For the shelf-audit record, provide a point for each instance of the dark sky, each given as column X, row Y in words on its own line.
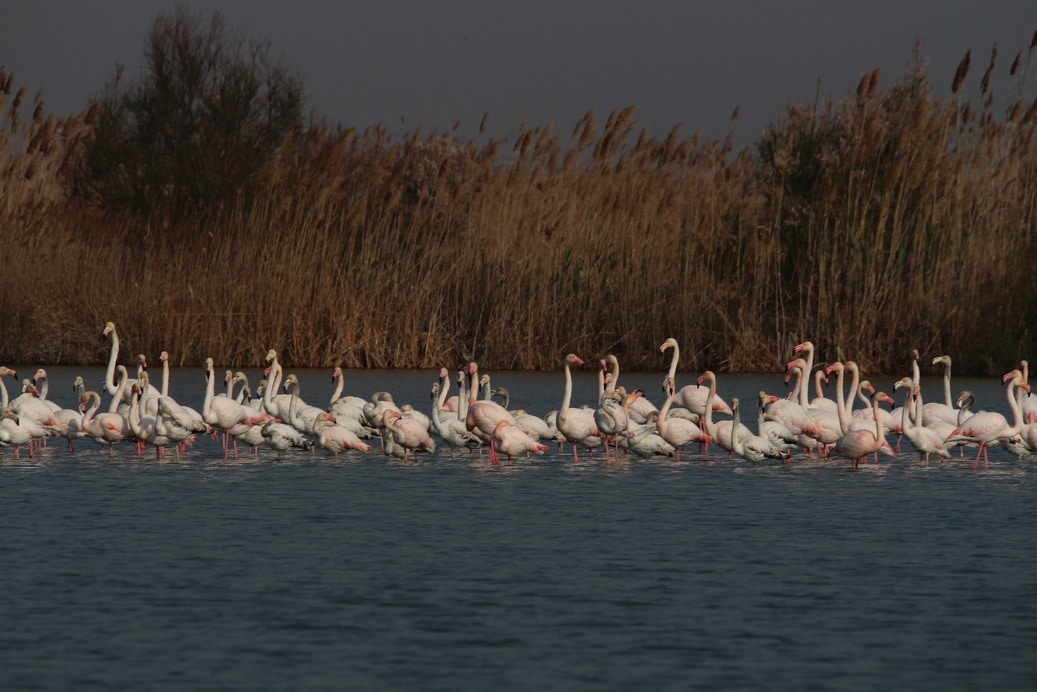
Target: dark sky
column 434, row 62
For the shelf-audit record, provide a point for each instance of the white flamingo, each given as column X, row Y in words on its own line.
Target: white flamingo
column 675, row 430
column 925, row 440
column 692, row 396
column 576, row 424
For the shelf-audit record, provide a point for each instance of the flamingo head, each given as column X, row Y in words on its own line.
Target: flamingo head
column 914, row 354
column 669, row 343
column 903, row 382
column 271, row 355
column 1010, row 376
column 109, row 328
column 336, row 373
column 164, row 356
column 573, row 359
column 805, row 346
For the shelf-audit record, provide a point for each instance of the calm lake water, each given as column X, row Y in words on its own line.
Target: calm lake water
column 449, row 573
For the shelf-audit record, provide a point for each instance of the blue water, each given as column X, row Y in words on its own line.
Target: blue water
column 450, row 573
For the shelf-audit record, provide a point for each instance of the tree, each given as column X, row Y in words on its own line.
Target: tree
column 195, row 130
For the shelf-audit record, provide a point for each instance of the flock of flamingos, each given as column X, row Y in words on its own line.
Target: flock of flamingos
column 622, row 423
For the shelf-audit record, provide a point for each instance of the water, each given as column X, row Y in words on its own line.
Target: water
column 445, row 574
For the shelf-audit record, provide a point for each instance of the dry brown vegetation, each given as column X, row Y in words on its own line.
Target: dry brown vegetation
column 887, row 220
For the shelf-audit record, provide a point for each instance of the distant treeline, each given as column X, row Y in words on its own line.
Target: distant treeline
column 873, row 224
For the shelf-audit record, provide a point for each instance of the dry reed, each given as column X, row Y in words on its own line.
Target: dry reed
column 885, row 221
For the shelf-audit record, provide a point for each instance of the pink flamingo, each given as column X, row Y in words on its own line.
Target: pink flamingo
column 409, row 434
column 510, row 441
column 986, row 427
column 105, row 428
column 859, row 443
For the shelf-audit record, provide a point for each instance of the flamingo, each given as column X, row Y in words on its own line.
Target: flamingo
column 678, row 431
column 106, row 428
column 780, row 437
column 300, row 414
column 925, row 440
column 1028, row 405
column 147, row 428
column 720, row 431
column 946, row 411
column 751, row 447
column 277, row 405
column 691, row 397
column 447, row 425
column 335, row 438
column 408, row 434
column 228, row 415
column 282, row 437
column 612, row 417
column 641, row 407
column 645, row 440
column 186, row 415
column 110, row 386
column 794, row 417
column 14, row 432
column 576, row 424
column 483, row 414
column 857, row 444
column 509, row 440
column 986, row 427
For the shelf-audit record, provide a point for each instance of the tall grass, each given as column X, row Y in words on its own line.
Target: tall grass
column 883, row 221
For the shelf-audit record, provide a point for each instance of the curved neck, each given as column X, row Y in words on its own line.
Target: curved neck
column 339, row 384
column 711, row 428
column 736, row 441
column 444, row 387
column 91, row 411
column 44, row 388
column 672, row 372
column 613, row 365
column 210, row 389
column 120, row 391
column 840, row 401
column 462, row 397
column 905, row 412
column 567, row 398
column 855, row 382
column 272, row 386
column 109, row 377
column 875, row 411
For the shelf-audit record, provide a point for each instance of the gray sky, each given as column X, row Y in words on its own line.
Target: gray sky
column 432, row 63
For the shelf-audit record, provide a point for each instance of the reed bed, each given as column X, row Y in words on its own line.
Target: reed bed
column 887, row 220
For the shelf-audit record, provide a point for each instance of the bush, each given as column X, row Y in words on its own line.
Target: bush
column 195, row 130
